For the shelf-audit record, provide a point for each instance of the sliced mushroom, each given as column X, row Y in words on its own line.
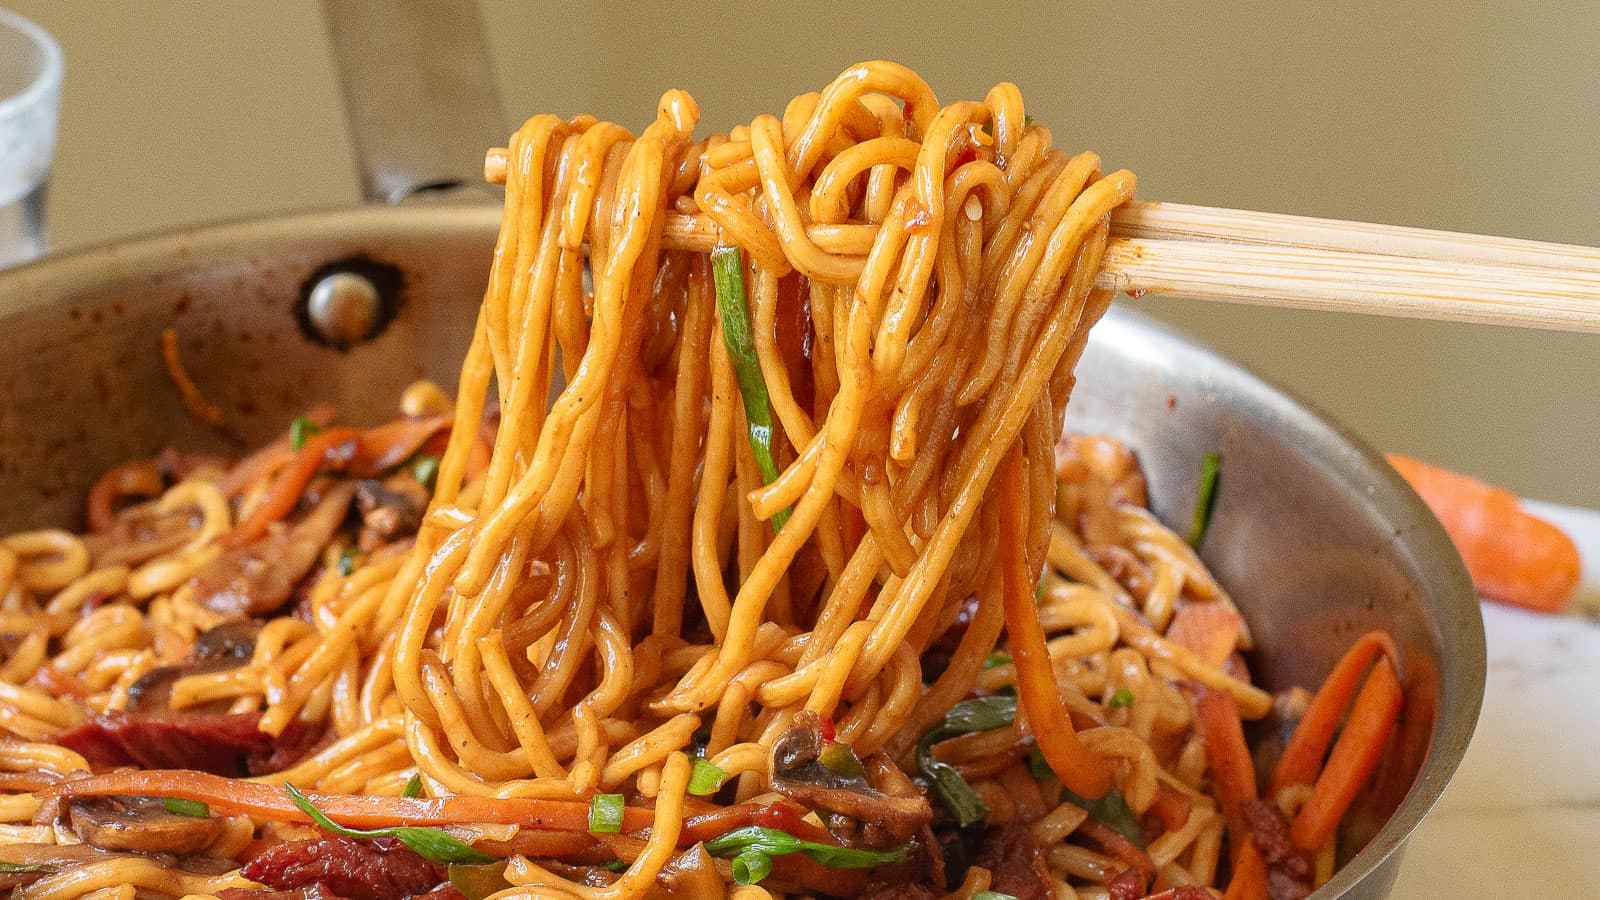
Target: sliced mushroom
column 884, row 813
column 256, row 579
column 390, row 509
column 139, row 824
column 226, row 646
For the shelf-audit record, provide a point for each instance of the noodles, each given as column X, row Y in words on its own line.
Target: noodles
column 762, row 543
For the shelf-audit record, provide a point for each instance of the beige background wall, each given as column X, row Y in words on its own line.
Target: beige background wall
column 1477, row 116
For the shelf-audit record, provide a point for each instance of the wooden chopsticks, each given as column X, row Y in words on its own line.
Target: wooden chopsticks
column 1238, row 256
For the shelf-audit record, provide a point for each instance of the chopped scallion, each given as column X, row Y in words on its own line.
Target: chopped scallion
column 605, row 813
column 981, row 714
column 1112, row 811
column 1120, row 699
column 1206, row 499
column 705, row 780
column 347, row 560
column 429, row 843
column 992, row 895
column 194, row 809
column 997, row 659
column 9, row 868
column 413, row 787
column 751, row 849
column 301, row 429
column 727, row 270
column 425, row 468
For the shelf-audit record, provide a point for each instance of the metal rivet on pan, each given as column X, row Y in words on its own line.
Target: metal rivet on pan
column 350, row 301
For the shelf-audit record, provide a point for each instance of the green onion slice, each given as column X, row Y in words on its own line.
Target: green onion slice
column 705, row 780
column 428, row 843
column 727, row 271
column 751, row 849
column 605, row 813
column 301, row 429
column 981, row 714
column 1121, row 698
column 425, row 468
column 413, row 787
column 1206, row 500
column 478, row 882
column 1112, row 811
column 194, row 809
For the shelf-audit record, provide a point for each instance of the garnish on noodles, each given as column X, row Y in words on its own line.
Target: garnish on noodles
column 795, row 588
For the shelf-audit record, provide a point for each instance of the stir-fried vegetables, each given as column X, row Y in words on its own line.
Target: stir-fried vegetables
column 428, row 843
column 981, row 714
column 727, row 270
column 752, row 849
column 706, row 779
column 605, row 813
column 1206, row 498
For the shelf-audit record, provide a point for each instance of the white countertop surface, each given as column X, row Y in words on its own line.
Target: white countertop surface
column 1522, row 817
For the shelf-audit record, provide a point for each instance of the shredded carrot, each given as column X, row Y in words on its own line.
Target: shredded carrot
column 335, row 447
column 138, row 478
column 1208, row 628
column 194, row 401
column 269, row 802
column 1249, row 880
column 272, row 457
column 390, row 444
column 1302, row 758
column 1078, row 768
column 1233, row 775
column 1353, row 758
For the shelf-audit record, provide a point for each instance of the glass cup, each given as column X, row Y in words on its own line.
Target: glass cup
column 30, row 99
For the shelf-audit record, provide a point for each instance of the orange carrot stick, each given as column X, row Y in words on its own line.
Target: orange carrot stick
column 272, row 457
column 335, row 446
column 1513, row 556
column 1302, row 759
column 1249, row 881
column 1352, row 760
column 1233, row 775
column 269, row 802
column 1078, row 768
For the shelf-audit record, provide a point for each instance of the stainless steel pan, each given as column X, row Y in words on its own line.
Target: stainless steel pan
column 1314, row 534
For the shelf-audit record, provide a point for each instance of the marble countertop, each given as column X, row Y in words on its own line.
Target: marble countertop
column 1522, row 816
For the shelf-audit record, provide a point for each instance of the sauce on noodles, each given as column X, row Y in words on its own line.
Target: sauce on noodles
column 795, row 587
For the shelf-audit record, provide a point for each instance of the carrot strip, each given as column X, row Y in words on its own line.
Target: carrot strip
column 194, row 401
column 1078, row 768
column 138, row 478
column 271, row 457
column 335, row 446
column 391, row 443
column 1352, row 760
column 269, row 802
column 1513, row 556
column 1249, row 880
column 1302, row 758
column 1233, row 775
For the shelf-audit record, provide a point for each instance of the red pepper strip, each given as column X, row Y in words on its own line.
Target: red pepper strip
column 139, row 478
column 1352, row 760
column 333, row 448
column 268, row 802
column 1078, row 768
column 1302, row 759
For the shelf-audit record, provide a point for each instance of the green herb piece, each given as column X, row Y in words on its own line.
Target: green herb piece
column 478, row 882
column 425, row 468
column 1206, row 500
column 1122, row 698
column 347, row 560
column 705, row 780
column 751, row 847
column 616, row 865
column 751, row 866
column 1037, row 766
column 1027, row 120
column 727, row 271
column 996, row 659
column 194, row 809
column 992, row 895
column 1038, row 592
column 981, row 714
column 413, row 787
column 10, row 868
column 429, row 843
column 300, row 430
column 605, row 813
column 1111, row 811
column 841, row 759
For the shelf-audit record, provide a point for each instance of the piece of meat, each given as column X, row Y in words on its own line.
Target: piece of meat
column 229, row 744
column 1016, row 862
column 256, row 579
column 1126, row 886
column 310, row 893
column 375, row 869
column 1289, row 869
column 801, row 772
column 139, row 824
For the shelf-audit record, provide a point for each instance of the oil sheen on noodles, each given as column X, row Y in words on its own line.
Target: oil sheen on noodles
column 749, row 568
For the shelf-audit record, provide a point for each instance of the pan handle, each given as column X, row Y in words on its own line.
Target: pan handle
column 420, row 94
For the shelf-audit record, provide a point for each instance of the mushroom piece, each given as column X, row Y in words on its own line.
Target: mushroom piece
column 256, row 579
column 139, row 824
column 390, row 509
column 873, row 798
column 226, row 646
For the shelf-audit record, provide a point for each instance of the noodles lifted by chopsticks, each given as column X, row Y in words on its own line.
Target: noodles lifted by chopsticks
column 748, row 570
